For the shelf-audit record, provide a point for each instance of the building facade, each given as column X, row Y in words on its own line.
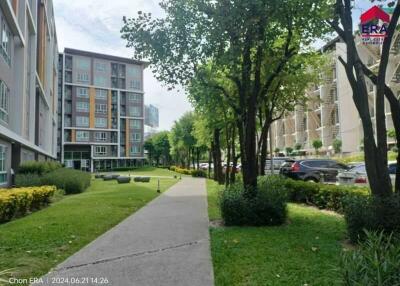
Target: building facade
column 102, row 111
column 28, row 84
column 330, row 112
column 151, row 116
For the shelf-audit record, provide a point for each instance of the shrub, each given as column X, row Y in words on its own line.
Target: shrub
column 71, row 181
column 268, row 207
column 375, row 262
column 371, row 214
column 28, row 180
column 142, row 179
column 19, row 201
column 199, row 174
column 38, row 167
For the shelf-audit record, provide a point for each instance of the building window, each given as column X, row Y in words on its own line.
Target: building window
column 5, row 41
column 100, row 81
column 101, row 94
column 100, row 150
column 134, row 71
column 83, row 77
column 100, row 67
column 135, row 149
column 135, row 111
column 83, row 92
column 82, row 121
column 82, row 136
column 82, row 106
column 134, row 97
column 135, row 84
column 101, row 136
column 4, row 97
column 136, row 137
column 135, row 124
column 101, row 108
column 83, row 63
column 101, row 122
column 3, row 171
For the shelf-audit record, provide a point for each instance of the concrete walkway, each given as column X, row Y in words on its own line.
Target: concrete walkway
column 164, row 243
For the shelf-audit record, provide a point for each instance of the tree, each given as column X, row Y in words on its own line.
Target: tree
column 356, row 70
column 276, row 151
column 162, row 148
column 337, row 145
column 289, row 150
column 298, row 146
column 238, row 36
column 149, row 147
column 317, row 144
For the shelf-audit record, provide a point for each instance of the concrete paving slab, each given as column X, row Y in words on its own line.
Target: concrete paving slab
column 164, row 243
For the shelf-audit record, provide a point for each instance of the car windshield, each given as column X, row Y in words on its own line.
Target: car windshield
column 359, row 169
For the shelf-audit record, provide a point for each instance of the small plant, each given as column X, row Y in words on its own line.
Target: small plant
column 199, row 174
column 337, row 145
column 317, row 144
column 298, row 147
column 375, row 263
column 289, row 150
column 38, row 167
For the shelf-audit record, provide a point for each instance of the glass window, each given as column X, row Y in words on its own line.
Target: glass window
column 135, row 124
column 4, row 97
column 83, row 63
column 82, row 121
column 136, row 137
column 101, row 94
column 135, row 149
column 134, row 71
column 83, row 77
column 5, row 42
column 100, row 150
column 3, row 171
column 100, row 81
column 101, row 108
column 100, row 67
column 83, row 92
column 82, row 136
column 135, row 84
column 134, row 97
column 101, row 122
column 82, row 106
column 101, row 136
column 135, row 111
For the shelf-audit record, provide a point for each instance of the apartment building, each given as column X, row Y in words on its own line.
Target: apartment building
column 102, row 111
column 28, row 84
column 330, row 112
column 151, row 116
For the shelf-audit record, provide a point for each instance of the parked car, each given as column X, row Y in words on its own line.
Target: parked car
column 312, row 170
column 357, row 176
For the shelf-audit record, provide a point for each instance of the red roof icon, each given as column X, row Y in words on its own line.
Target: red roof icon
column 375, row 13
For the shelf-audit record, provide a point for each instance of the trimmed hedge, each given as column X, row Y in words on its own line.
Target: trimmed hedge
column 69, row 180
column 193, row 173
column 18, row 202
column 38, row 167
column 323, row 196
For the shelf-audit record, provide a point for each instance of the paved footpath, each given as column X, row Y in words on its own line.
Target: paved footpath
column 164, row 243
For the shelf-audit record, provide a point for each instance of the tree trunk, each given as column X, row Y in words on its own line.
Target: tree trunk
column 210, row 161
column 198, row 157
column 264, row 151
column 228, row 159
column 234, row 158
column 217, row 155
column 193, row 159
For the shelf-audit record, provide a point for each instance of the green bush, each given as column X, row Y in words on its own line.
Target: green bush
column 323, row 196
column 268, row 207
column 199, row 174
column 28, row 180
column 38, row 167
column 71, row 181
column 375, row 263
column 371, row 214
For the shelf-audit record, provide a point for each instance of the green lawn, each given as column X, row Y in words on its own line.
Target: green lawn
column 34, row 244
column 152, row 171
column 305, row 251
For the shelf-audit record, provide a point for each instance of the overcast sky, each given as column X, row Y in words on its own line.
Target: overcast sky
column 94, row 25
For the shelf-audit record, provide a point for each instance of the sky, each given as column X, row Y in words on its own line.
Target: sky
column 94, row 25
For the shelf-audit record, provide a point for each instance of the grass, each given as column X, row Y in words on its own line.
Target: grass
column 213, row 189
column 152, row 171
column 305, row 251
column 34, row 244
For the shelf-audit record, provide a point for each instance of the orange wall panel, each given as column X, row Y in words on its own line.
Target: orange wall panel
column 92, row 107
column 127, row 144
column 109, row 109
column 73, row 135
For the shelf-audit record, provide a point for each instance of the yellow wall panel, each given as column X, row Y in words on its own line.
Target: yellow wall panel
column 73, row 135
column 92, row 106
column 109, row 109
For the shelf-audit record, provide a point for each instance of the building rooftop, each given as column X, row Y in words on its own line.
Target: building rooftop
column 105, row 57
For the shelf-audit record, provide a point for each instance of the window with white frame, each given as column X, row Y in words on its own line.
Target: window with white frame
column 101, row 136
column 101, row 108
column 100, row 67
column 5, row 46
column 100, row 150
column 101, row 122
column 4, row 98
column 135, row 84
column 82, row 121
column 83, row 77
column 134, row 97
column 135, row 124
column 83, row 92
column 101, row 94
column 3, row 170
column 82, row 136
column 135, row 149
column 135, row 111
column 136, row 137
column 100, row 80
column 82, row 106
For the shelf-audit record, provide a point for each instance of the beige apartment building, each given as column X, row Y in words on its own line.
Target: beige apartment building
column 330, row 112
column 28, row 84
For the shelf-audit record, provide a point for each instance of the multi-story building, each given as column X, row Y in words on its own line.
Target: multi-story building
column 330, row 112
column 102, row 114
column 28, row 83
column 151, row 116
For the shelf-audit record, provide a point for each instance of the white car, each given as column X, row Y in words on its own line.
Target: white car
column 357, row 176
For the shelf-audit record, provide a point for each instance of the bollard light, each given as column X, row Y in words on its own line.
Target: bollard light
column 158, row 186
